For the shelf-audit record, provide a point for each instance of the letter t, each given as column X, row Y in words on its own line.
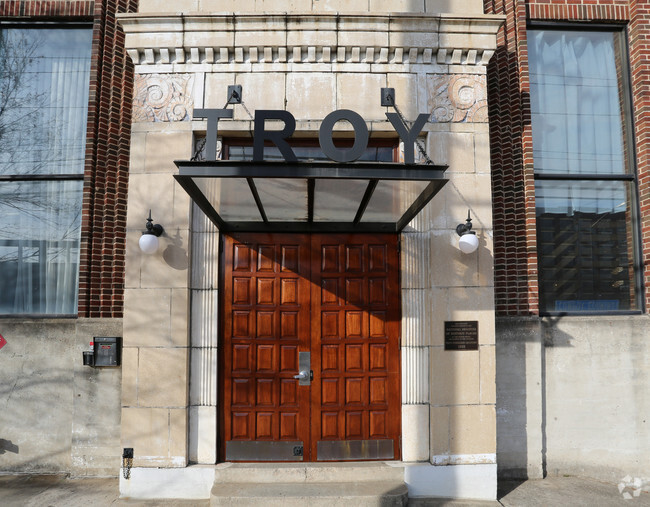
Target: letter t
column 213, row 116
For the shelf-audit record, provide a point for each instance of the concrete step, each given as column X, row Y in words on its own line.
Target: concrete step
column 374, row 471
column 313, row 494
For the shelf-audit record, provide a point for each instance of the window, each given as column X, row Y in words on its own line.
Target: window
column 585, row 185
column 44, row 83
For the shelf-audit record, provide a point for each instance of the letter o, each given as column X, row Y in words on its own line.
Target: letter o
column 360, row 136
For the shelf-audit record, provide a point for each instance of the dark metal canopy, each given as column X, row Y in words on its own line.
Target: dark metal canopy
column 310, row 196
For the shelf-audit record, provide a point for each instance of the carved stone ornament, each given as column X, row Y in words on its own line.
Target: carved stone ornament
column 458, row 98
column 163, row 97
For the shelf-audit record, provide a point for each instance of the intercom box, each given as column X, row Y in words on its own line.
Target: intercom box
column 107, row 350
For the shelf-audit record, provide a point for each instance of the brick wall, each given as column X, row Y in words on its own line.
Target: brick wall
column 515, row 253
column 103, row 233
column 639, row 41
column 515, row 258
column 103, row 228
column 46, row 9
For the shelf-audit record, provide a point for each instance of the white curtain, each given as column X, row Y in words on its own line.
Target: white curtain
column 577, row 119
column 575, row 101
column 41, row 219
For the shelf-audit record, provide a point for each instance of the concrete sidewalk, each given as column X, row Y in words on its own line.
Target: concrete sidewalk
column 59, row 491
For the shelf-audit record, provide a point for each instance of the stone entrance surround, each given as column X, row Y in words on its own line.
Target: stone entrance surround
column 309, row 64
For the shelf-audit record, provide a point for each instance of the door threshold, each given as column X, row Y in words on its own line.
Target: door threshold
column 314, row 464
column 358, row 471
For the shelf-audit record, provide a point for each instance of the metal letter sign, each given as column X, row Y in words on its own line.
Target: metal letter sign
column 213, row 116
column 360, row 136
column 408, row 137
column 3, row 342
column 279, row 137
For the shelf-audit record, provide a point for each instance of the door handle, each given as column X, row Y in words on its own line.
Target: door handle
column 304, row 368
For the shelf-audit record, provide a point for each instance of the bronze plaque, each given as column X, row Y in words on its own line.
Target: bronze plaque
column 461, row 335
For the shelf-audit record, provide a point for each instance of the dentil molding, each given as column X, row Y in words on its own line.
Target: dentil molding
column 310, row 38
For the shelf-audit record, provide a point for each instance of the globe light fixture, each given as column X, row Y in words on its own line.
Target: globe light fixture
column 468, row 242
column 149, row 239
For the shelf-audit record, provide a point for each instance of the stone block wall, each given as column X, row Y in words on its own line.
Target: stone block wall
column 316, row 6
column 156, row 350
column 311, row 66
column 440, row 283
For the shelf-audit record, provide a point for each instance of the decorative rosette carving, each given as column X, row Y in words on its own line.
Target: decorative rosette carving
column 458, row 98
column 162, row 97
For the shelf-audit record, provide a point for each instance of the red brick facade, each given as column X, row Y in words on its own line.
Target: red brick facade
column 515, row 253
column 22, row 8
column 639, row 41
column 103, row 233
column 103, row 229
column 101, row 286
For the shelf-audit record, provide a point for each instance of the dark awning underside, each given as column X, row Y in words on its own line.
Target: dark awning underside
column 310, row 196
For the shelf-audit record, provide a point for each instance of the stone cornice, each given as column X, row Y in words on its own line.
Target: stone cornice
column 310, row 38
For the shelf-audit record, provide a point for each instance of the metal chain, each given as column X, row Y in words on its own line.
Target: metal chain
column 232, row 94
column 247, row 111
column 417, row 141
column 429, row 162
column 198, row 154
column 127, row 464
column 249, row 115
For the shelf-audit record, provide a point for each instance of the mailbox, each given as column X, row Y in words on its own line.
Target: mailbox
column 106, row 351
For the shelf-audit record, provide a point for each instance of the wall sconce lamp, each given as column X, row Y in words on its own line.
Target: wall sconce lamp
column 468, row 241
column 149, row 239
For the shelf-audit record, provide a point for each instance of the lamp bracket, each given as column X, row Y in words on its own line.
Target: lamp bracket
column 155, row 229
column 465, row 228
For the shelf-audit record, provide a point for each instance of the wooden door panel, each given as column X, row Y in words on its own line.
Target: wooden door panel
column 355, row 344
column 289, row 426
column 288, row 393
column 241, row 260
column 336, row 296
column 289, row 359
column 266, row 324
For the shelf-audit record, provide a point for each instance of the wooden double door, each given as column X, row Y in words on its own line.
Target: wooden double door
column 326, row 305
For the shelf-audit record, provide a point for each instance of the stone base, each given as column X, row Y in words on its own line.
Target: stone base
column 324, row 494
column 477, row 482
column 422, row 479
column 191, row 483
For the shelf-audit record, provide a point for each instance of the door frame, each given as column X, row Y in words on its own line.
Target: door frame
column 310, row 442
